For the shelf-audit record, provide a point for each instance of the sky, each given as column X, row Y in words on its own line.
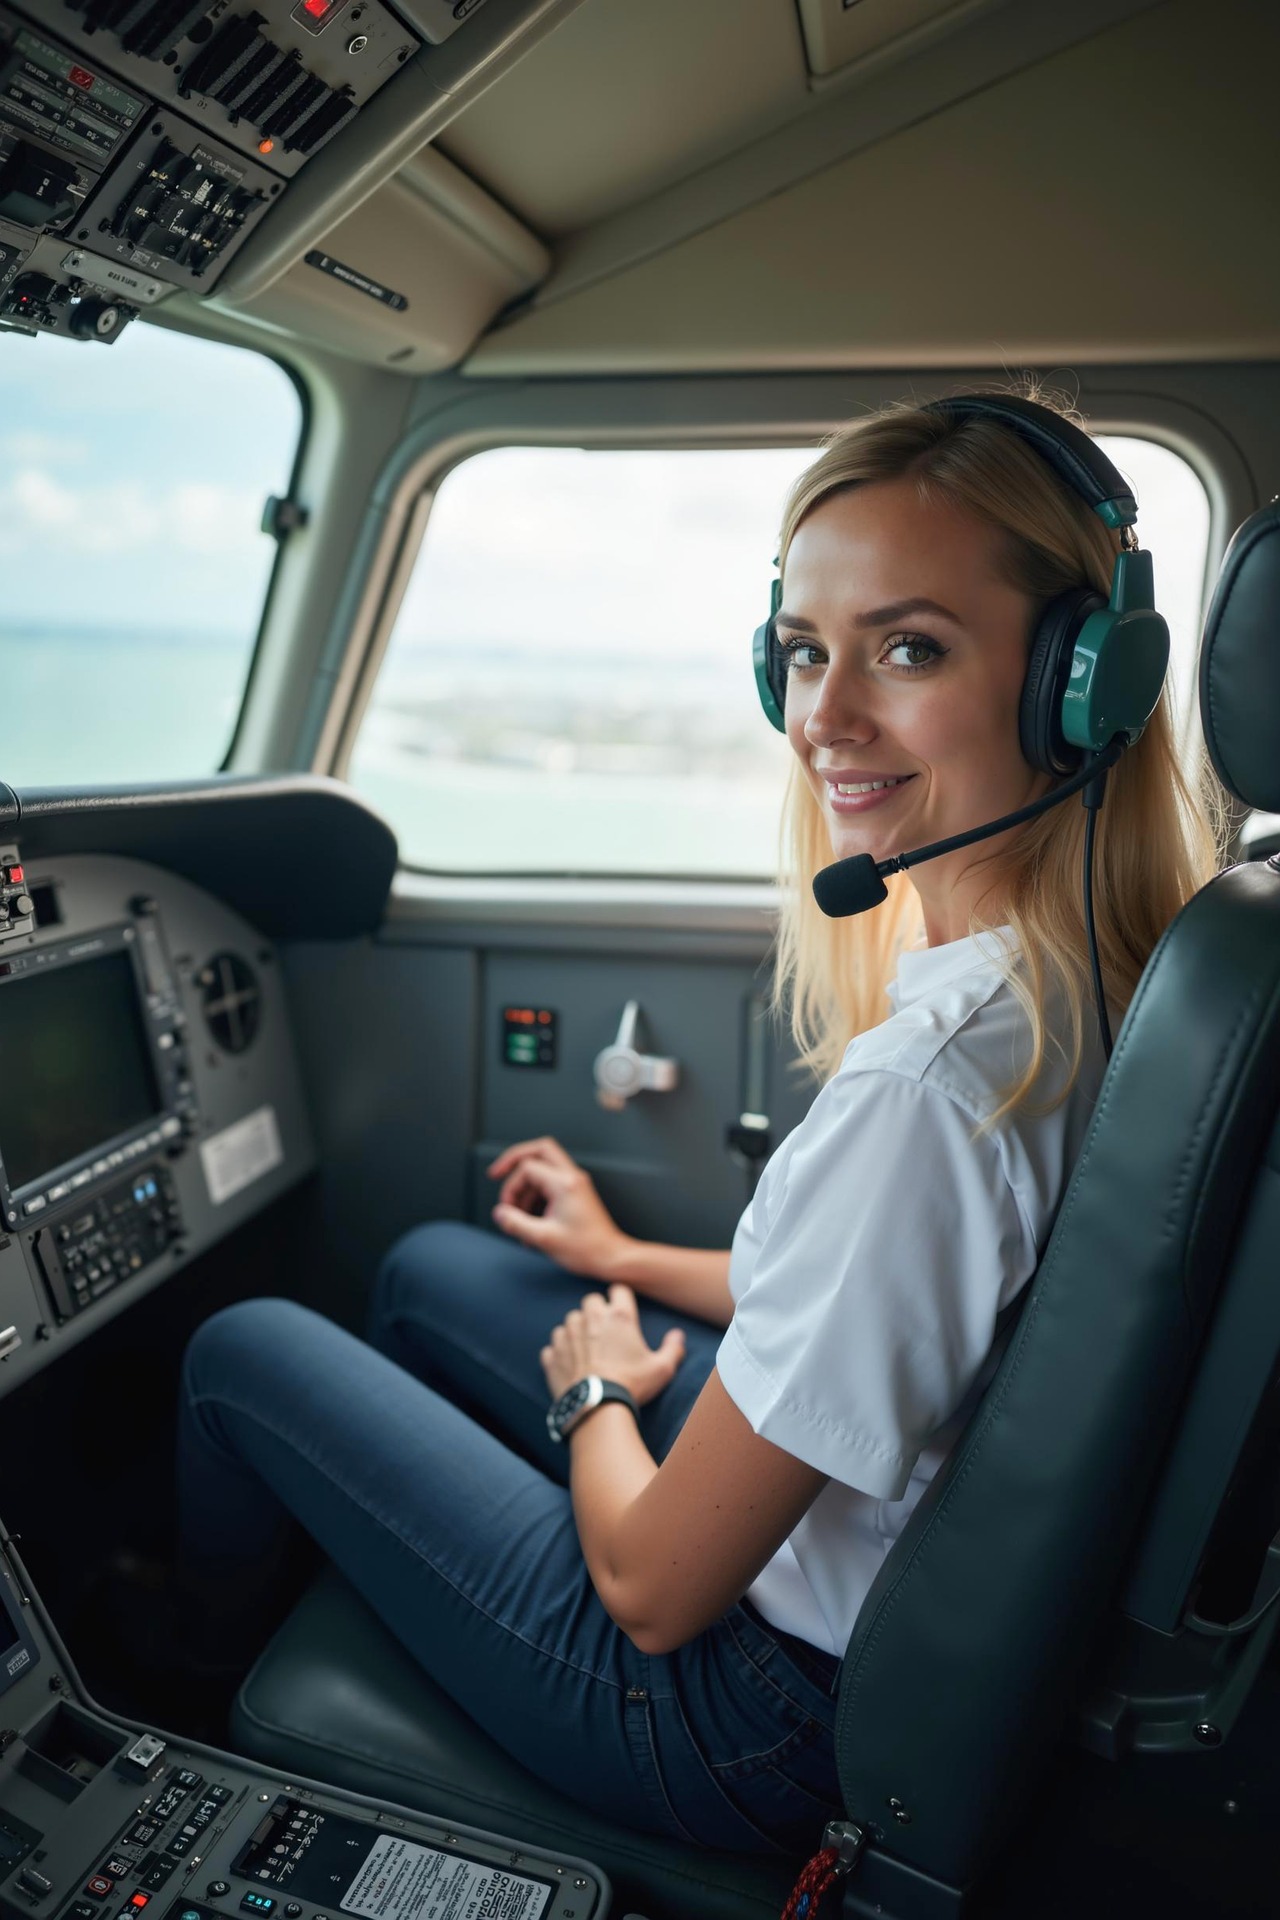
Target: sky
column 132, row 480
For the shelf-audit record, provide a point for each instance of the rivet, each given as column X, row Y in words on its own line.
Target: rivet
column 1207, row 1734
column 358, row 44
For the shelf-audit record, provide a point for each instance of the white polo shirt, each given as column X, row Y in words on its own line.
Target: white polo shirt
column 867, row 1273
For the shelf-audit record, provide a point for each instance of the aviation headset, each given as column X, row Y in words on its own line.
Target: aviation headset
column 1095, row 667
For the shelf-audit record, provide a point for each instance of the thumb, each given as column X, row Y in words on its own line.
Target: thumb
column 671, row 1347
column 531, row 1229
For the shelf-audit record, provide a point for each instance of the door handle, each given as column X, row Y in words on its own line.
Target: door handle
column 621, row 1071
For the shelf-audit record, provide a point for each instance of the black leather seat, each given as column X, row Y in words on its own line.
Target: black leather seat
column 1066, row 1544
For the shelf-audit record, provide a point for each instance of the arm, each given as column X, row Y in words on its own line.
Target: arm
column 668, row 1548
column 549, row 1202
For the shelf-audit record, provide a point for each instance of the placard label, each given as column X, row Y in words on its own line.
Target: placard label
column 401, row 1880
column 352, row 277
column 241, row 1154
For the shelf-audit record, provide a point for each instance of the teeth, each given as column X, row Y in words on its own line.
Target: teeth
column 873, row 786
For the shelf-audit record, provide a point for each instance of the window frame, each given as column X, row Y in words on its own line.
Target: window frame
column 721, row 413
column 306, row 409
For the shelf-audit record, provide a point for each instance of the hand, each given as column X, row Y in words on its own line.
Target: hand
column 604, row 1337
column 547, row 1201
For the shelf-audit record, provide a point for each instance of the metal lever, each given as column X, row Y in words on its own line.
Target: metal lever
column 620, row 1072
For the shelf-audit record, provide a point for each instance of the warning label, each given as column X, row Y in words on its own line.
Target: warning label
column 403, row 1881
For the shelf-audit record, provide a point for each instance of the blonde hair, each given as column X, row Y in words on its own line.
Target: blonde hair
column 1157, row 840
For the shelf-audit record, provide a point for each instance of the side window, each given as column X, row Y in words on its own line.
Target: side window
column 569, row 688
column 132, row 481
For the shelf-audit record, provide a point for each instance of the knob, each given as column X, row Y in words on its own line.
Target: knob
column 621, row 1072
column 98, row 319
column 22, row 904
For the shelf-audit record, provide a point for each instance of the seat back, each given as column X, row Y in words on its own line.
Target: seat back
column 969, row 1650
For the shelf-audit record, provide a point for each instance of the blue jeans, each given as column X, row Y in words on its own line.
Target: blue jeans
column 462, row 1539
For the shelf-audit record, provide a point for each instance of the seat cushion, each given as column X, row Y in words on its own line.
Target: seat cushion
column 336, row 1698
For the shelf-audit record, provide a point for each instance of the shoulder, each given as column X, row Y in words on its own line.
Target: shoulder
column 961, row 1045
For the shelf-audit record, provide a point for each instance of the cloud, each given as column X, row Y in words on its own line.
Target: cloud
column 44, row 512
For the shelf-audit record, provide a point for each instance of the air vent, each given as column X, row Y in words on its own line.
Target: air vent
column 149, row 28
column 158, row 30
column 231, row 1000
column 115, row 15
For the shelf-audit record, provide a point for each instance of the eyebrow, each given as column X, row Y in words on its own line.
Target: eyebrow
column 878, row 616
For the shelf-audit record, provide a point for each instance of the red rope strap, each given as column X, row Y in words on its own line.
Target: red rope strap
column 815, row 1878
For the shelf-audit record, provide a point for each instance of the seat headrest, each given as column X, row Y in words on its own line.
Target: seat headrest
column 1240, row 664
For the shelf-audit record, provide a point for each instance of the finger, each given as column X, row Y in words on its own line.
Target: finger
column 532, row 1182
column 672, row 1345
column 530, row 1229
column 624, row 1300
column 594, row 1307
column 544, row 1146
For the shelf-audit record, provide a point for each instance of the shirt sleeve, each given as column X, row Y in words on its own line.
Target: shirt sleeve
column 871, row 1301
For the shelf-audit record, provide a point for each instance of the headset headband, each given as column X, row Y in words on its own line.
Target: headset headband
column 1074, row 457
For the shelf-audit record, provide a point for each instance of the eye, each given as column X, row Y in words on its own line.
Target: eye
column 924, row 650
column 797, row 653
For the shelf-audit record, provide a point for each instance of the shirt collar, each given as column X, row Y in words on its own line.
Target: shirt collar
column 923, row 970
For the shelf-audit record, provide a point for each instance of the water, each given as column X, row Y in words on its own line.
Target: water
column 116, row 706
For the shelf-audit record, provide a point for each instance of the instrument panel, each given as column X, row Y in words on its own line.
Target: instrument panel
column 101, row 1820
column 151, row 1100
column 141, row 141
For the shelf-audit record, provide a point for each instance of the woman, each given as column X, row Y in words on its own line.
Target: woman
column 660, row 1636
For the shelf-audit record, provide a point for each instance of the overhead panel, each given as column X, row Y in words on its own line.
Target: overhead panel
column 838, row 32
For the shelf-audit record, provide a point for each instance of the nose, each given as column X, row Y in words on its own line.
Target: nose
column 840, row 710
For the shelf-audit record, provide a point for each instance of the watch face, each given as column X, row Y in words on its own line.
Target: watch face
column 565, row 1411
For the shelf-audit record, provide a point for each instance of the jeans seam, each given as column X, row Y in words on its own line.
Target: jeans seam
column 395, row 1533
column 798, row 1706
column 750, row 1763
column 711, row 1772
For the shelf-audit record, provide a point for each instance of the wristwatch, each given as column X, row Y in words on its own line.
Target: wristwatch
column 582, row 1398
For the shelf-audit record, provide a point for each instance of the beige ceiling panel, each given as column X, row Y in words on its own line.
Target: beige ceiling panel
column 687, row 80
column 1114, row 202
column 837, row 32
column 413, row 275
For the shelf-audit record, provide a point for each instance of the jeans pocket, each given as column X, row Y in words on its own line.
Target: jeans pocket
column 790, row 1791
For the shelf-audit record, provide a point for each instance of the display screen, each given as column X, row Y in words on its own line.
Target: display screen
column 75, row 1067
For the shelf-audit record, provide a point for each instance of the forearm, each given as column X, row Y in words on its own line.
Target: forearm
column 690, row 1279
column 609, row 1468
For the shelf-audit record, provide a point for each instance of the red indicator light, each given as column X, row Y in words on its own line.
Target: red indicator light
column 545, row 1019
column 266, row 146
column 139, row 1899
column 78, row 77
column 316, row 8
column 17, row 875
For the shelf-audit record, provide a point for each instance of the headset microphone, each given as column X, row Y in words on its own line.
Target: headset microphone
column 853, row 885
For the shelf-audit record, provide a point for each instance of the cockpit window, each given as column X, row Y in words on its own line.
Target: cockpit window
column 568, row 687
column 132, row 482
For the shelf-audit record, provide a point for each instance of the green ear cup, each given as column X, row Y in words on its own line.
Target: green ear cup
column 770, row 668
column 1119, row 662
column 762, row 644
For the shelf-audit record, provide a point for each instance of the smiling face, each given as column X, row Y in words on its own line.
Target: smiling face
column 906, row 651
